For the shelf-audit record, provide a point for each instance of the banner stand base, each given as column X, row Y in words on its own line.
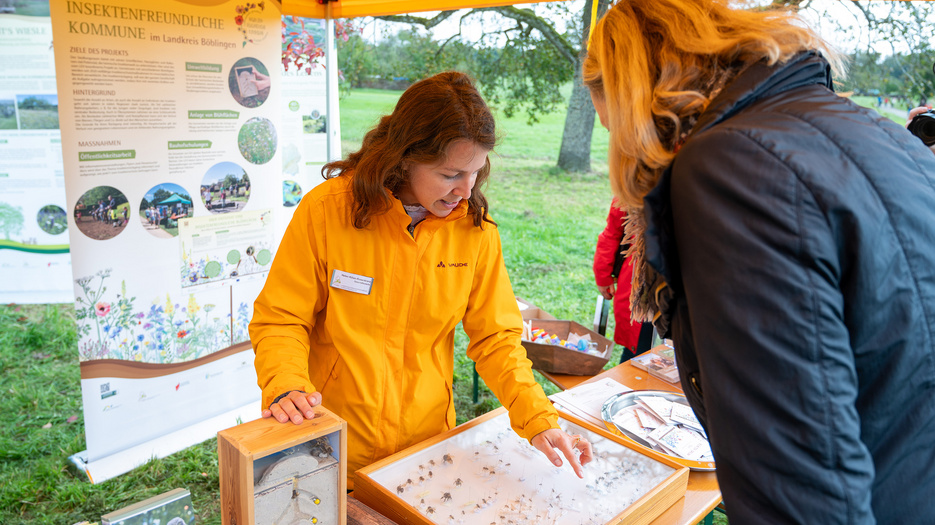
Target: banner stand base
column 102, row 469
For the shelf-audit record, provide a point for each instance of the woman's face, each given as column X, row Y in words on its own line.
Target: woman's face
column 440, row 187
column 600, row 105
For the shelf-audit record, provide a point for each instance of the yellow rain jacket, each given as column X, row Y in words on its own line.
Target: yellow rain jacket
column 367, row 317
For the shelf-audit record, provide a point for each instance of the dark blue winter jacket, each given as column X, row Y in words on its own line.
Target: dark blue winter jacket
column 797, row 233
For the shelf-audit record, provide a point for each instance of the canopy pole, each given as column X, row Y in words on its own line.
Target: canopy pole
column 331, row 68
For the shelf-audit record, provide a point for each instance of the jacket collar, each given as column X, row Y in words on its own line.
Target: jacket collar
column 397, row 210
column 761, row 81
column 757, row 82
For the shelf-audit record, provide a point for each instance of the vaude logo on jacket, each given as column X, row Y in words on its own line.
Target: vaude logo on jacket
column 441, row 264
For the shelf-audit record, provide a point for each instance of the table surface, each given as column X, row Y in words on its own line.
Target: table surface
column 703, row 493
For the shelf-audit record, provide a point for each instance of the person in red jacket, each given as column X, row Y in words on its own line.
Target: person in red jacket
column 613, row 279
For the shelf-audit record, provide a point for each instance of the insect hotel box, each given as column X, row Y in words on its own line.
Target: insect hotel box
column 557, row 359
column 279, row 473
column 482, row 472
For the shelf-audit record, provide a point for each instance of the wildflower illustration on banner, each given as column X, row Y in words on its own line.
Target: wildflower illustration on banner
column 112, row 326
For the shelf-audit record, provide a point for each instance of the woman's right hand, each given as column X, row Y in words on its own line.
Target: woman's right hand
column 296, row 406
column 607, row 292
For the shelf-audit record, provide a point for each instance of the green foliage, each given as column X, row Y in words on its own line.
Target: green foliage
column 355, row 60
column 409, row 55
column 36, row 103
column 100, row 193
column 906, row 77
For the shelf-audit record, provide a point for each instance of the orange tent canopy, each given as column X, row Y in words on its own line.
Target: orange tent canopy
column 355, row 8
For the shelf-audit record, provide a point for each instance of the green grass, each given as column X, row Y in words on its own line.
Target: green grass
column 549, row 221
column 38, row 119
column 360, row 111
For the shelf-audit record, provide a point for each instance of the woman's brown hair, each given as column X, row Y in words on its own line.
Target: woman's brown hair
column 428, row 117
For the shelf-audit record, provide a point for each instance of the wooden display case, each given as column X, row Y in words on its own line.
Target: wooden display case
column 273, row 472
column 482, row 472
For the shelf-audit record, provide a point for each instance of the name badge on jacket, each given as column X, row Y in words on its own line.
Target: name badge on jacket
column 351, row 282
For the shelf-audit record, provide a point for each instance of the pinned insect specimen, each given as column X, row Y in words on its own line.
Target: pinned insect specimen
column 430, row 510
column 446, row 497
column 458, row 482
column 447, row 458
column 400, row 489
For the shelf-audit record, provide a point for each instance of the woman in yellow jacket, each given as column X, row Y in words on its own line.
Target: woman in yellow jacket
column 378, row 266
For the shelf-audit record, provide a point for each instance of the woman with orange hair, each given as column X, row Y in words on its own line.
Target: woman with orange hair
column 379, row 265
column 784, row 238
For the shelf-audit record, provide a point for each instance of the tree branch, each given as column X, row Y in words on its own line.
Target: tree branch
column 527, row 16
column 427, row 23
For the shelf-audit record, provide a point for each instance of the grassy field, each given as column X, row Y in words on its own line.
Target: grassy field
column 548, row 220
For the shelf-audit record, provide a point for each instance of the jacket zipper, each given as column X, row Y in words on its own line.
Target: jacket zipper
column 411, row 229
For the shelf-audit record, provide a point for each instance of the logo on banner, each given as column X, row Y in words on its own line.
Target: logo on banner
column 106, row 391
column 250, row 22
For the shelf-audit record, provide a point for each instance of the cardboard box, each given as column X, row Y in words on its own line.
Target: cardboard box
column 272, row 472
column 531, row 311
column 482, row 472
column 560, row 360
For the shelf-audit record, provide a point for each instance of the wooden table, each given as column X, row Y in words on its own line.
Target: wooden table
column 703, row 494
column 360, row 514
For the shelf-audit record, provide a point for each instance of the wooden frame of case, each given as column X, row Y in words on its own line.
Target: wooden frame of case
column 240, row 446
column 643, row 511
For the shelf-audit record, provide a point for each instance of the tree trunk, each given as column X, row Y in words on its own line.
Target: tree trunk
column 575, row 152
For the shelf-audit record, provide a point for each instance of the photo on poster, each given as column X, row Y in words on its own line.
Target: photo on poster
column 225, row 188
column 52, row 219
column 314, row 122
column 257, row 140
column 25, row 7
column 223, row 249
column 291, row 193
column 7, row 114
column 162, row 207
column 37, row 111
column 249, row 82
column 102, row 213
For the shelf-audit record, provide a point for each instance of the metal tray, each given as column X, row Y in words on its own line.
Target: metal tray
column 620, row 401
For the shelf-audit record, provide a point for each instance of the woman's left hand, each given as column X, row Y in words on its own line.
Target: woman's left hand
column 553, row 438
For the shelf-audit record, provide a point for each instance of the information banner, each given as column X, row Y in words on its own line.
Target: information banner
column 308, row 120
column 34, row 261
column 170, row 114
